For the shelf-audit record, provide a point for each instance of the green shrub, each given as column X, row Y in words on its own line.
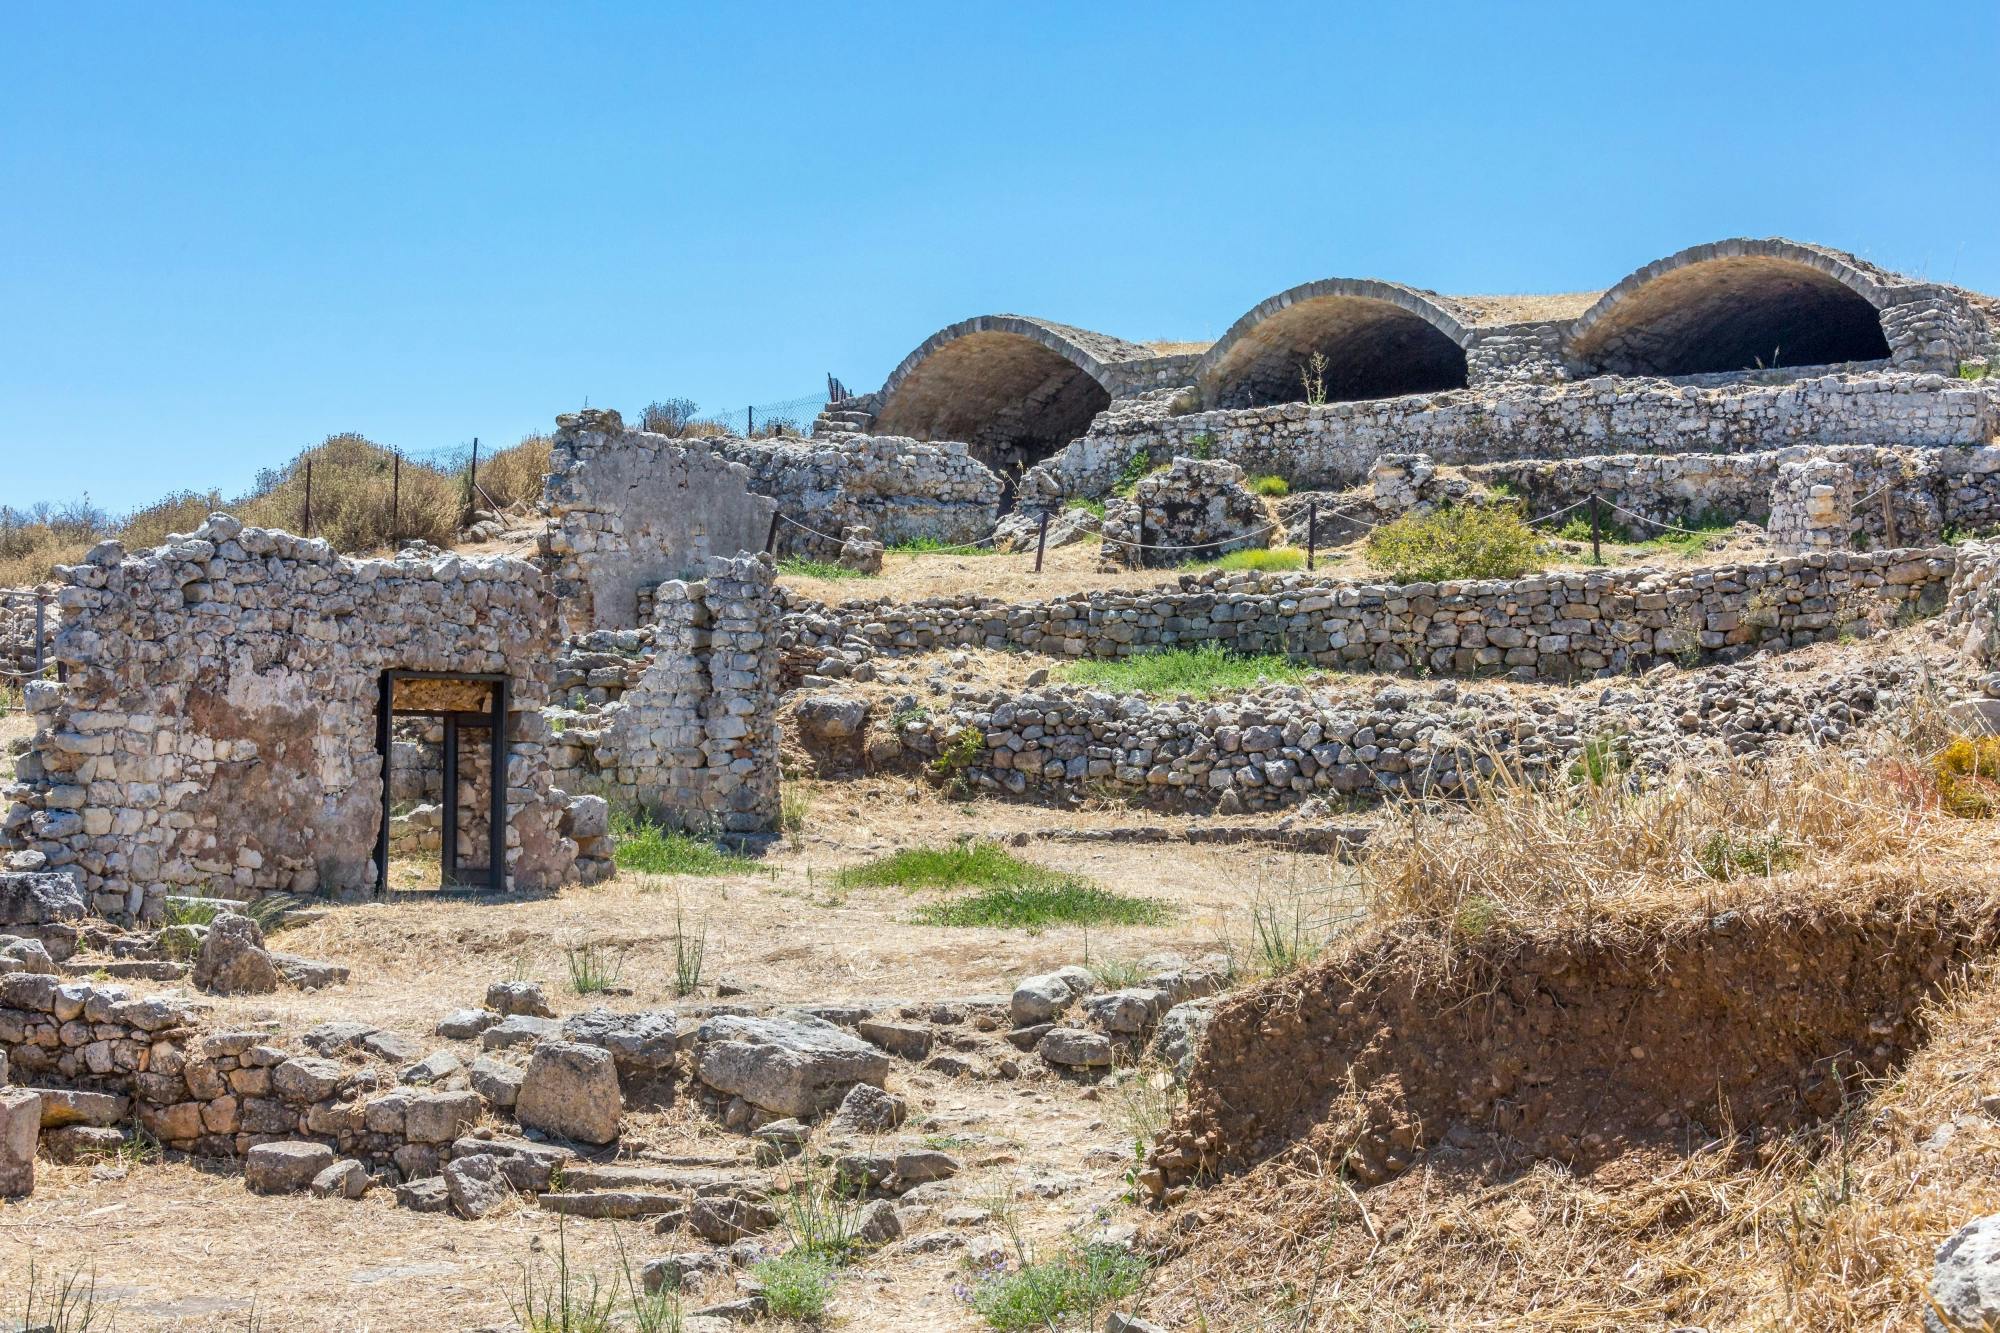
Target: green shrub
column 1276, row 488
column 1087, row 506
column 1460, row 542
column 797, row 1285
column 800, row 567
column 1137, row 466
column 932, row 546
column 965, row 864
column 1205, row 671
column 1081, row 1281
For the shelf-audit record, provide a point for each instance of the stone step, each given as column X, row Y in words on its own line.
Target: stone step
column 126, row 969
column 681, row 1183
column 619, row 1204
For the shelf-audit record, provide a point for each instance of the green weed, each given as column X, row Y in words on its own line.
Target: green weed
column 1459, row 542
column 1205, row 671
column 1082, row 1281
column 642, row 844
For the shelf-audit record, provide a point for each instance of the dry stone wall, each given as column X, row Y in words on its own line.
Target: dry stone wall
column 628, row 510
column 1549, row 626
column 19, row 624
column 1333, row 446
column 217, row 733
column 1191, row 510
column 1812, row 506
column 692, row 731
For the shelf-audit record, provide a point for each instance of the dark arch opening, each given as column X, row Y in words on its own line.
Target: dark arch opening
column 1013, row 400
column 1373, row 349
column 1731, row 314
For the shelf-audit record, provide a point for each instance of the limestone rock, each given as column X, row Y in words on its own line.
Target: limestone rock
column 518, row 997
column 20, row 1130
column 1042, row 999
column 283, row 1168
column 867, row 1109
column 520, row 1030
column 571, row 1091
column 1965, row 1280
column 877, row 1223
column 497, row 1081
column 476, row 1184
column 466, row 1024
column 790, row 1065
column 1078, row 1048
column 910, row 1041
column 76, row 1143
column 63, row 1106
column 642, row 1045
column 345, row 1179
column 34, row 898
column 722, row 1219
column 233, row 960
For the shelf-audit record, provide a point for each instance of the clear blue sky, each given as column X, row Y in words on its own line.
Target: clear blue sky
column 226, row 231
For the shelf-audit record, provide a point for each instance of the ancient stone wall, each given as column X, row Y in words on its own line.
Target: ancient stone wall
column 1333, row 446
column 1935, row 329
column 1191, row 510
column 18, row 626
column 1812, row 506
column 628, row 509
column 902, row 489
column 691, row 733
column 1282, row 746
column 1972, row 606
column 1546, row 626
column 1516, row 354
column 217, row 733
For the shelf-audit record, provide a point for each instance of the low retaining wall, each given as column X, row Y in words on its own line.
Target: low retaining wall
column 1547, row 626
column 1282, row 746
column 1332, row 446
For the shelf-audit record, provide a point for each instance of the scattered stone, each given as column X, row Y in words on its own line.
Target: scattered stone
column 867, row 1109
column 1130, row 1323
column 437, row 1067
column 877, row 1223
column 1181, row 1031
column 1125, row 1012
column 681, row 1270
column 427, row 1195
column 307, row 1078
column 74, row 1143
column 284, row 1168
column 33, row 898
column 345, row 1179
column 780, row 1139
column 510, row 998
column 233, row 960
column 1076, row 1048
column 1042, row 999
column 529, row 1167
column 642, row 1045
column 790, row 1065
column 1965, row 1280
column 390, row 1046
column 476, row 1185
column 466, row 1024
column 325, row 1039
column 910, row 1041
column 497, row 1081
column 440, row 1117
column 571, row 1091
column 722, row 1220
column 923, row 1164
column 307, row 973
column 520, row 1030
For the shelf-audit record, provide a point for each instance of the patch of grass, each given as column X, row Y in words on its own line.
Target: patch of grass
column 932, row 546
column 1063, row 900
column 1082, row 1281
column 820, row 1213
column 1699, row 533
column 67, row 1304
column 565, row 1301
column 793, row 807
column 801, row 567
column 642, row 844
column 1273, row 487
column 1087, row 506
column 1204, row 671
column 593, row 967
column 796, row 1285
column 1259, row 558
column 964, row 864
column 1603, row 759
column 1726, row 855
column 1127, row 480
column 1577, row 529
column 1460, row 542
column 1967, row 772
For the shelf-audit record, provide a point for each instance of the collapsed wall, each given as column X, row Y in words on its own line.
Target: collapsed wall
column 903, row 489
column 218, row 730
column 1333, row 445
column 28, row 617
column 628, row 510
column 691, row 734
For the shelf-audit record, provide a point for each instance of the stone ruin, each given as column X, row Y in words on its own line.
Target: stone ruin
column 1189, row 510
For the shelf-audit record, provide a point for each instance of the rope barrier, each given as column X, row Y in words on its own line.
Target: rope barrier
column 1670, row 527
column 1198, row 546
column 988, row 540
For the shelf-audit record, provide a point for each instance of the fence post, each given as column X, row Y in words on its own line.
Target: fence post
column 307, row 524
column 395, row 495
column 1041, row 540
column 771, row 537
column 472, row 475
column 1139, row 547
column 41, row 628
column 749, row 423
column 1312, row 533
column 1595, row 557
column 1888, row 520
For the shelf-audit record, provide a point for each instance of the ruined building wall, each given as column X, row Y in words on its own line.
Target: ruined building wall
column 1334, row 445
column 628, row 509
column 692, row 735
column 217, row 732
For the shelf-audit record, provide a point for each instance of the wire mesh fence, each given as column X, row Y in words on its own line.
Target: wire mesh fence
column 786, row 417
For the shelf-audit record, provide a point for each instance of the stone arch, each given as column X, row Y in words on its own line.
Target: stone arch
column 1380, row 339
column 1013, row 388
column 1735, row 305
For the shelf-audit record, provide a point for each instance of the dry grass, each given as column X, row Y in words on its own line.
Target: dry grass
column 514, row 476
column 1582, row 852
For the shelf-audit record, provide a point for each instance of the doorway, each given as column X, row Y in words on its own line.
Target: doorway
column 466, row 704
